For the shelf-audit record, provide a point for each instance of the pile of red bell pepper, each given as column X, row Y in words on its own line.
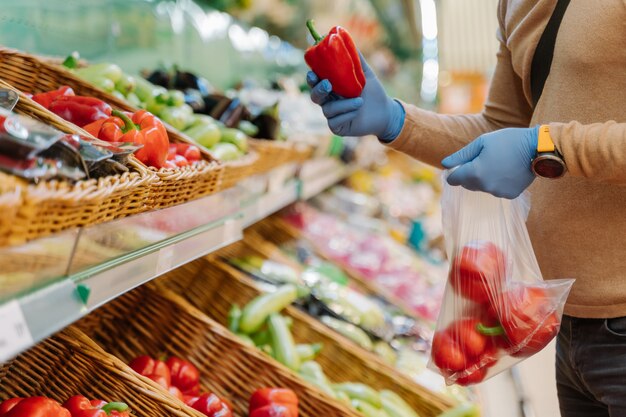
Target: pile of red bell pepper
column 105, row 123
column 498, row 318
column 76, row 406
column 273, row 402
column 182, row 379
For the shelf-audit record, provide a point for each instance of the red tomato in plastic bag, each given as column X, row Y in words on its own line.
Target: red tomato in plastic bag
column 479, row 271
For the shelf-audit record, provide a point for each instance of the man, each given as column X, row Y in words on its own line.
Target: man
column 577, row 222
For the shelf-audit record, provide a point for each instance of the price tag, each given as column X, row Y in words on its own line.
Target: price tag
column 166, row 259
column 14, row 333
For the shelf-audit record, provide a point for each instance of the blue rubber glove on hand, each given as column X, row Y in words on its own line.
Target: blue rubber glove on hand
column 498, row 163
column 373, row 113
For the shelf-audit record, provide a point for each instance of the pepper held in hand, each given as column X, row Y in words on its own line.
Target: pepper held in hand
column 335, row 57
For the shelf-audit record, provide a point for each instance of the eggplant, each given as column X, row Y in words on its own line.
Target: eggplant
column 268, row 123
column 183, row 80
column 159, row 77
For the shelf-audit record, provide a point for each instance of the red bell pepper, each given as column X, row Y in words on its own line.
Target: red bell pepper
column 529, row 319
column 6, row 405
column 185, row 375
column 478, row 273
column 280, row 396
column 140, row 127
column 80, row 110
column 210, row 405
column 45, row 99
column 33, row 407
column 147, row 366
column 272, row 410
column 465, row 346
column 80, row 406
column 335, row 57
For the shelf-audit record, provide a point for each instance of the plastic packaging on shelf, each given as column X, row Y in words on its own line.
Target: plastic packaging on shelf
column 497, row 309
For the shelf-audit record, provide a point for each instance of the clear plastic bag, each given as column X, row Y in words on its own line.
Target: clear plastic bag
column 497, row 310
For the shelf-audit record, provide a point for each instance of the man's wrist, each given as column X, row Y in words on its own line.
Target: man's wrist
column 396, row 122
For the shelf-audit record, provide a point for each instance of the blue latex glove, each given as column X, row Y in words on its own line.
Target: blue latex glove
column 497, row 163
column 373, row 113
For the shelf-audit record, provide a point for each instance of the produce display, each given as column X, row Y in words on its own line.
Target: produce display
column 349, row 267
column 497, row 309
column 169, row 105
column 260, row 323
column 230, row 110
column 99, row 119
column 76, row 406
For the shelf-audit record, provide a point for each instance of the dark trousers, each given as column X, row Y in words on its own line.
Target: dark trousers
column 591, row 367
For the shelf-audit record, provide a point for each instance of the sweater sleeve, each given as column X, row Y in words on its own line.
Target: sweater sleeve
column 429, row 137
column 596, row 151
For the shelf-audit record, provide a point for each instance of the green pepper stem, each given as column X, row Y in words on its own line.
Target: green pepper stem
column 128, row 123
column 316, row 36
column 71, row 61
column 114, row 406
column 489, row 331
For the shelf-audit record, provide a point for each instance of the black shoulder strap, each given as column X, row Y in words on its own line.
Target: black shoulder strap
column 545, row 50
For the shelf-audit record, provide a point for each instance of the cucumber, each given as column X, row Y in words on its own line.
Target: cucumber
column 257, row 311
column 234, row 316
column 392, row 401
column 308, row 352
column 348, row 330
column 357, row 391
column 325, row 388
column 314, row 370
column 395, row 410
column 261, row 338
column 245, row 339
column 463, row 410
column 386, row 352
column 282, row 342
column 367, row 409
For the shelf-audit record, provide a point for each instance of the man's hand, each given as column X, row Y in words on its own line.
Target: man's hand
column 497, row 163
column 373, row 113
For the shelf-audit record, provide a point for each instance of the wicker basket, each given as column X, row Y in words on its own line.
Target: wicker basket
column 235, row 171
column 273, row 154
column 70, row 363
column 10, row 201
column 214, row 286
column 145, row 321
column 52, row 206
column 32, row 74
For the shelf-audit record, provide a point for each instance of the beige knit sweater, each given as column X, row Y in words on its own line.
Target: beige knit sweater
column 578, row 223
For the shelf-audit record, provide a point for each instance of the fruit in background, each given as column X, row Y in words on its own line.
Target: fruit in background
column 236, row 137
column 126, row 84
column 382, row 349
column 178, row 117
column 225, row 152
column 206, row 134
column 248, row 128
column 478, row 271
